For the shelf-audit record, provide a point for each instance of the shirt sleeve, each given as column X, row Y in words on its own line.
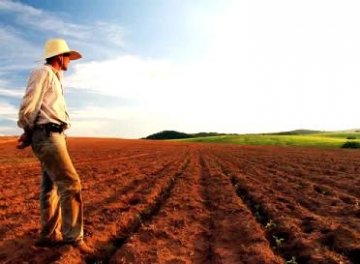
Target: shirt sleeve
column 32, row 100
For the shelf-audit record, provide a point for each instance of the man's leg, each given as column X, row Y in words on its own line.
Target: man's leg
column 52, row 152
column 50, row 211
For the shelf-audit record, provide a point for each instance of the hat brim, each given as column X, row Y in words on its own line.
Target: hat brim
column 74, row 55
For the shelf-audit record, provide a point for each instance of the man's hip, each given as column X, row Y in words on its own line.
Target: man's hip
column 50, row 128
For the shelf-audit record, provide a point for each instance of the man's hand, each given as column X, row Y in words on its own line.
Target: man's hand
column 25, row 140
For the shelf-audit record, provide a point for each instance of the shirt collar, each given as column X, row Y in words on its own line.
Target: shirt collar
column 58, row 73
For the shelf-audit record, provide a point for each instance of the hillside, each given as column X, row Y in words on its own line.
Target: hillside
column 172, row 134
column 297, row 132
column 330, row 140
column 168, row 134
column 300, row 137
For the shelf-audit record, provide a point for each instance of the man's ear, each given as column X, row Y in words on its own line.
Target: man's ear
column 61, row 60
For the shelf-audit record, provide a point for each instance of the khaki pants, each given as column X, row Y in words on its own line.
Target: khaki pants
column 61, row 205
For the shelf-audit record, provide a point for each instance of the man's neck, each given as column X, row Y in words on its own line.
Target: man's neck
column 55, row 66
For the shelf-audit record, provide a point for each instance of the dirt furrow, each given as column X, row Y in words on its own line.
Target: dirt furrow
column 169, row 236
column 316, row 174
column 121, row 190
column 287, row 227
column 315, row 198
column 127, row 223
column 234, row 235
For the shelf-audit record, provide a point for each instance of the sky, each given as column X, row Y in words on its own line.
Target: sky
column 227, row 66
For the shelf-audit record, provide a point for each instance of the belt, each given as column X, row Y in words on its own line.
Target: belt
column 50, row 127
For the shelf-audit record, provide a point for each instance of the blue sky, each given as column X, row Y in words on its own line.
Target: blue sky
column 190, row 65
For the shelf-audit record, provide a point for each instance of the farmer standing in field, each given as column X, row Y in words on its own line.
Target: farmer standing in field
column 43, row 116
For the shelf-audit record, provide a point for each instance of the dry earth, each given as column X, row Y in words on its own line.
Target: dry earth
column 175, row 203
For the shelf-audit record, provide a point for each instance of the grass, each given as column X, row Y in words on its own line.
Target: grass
column 330, row 139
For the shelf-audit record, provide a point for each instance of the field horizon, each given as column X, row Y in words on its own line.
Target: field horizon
column 299, row 137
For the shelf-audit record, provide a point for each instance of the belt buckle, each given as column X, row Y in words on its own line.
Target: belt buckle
column 52, row 127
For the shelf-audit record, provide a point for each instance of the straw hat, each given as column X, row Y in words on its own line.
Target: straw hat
column 55, row 47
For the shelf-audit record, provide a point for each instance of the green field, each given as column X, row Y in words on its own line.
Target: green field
column 329, row 139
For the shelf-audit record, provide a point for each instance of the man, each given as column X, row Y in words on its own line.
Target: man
column 43, row 116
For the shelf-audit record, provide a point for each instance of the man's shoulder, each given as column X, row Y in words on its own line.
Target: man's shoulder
column 41, row 70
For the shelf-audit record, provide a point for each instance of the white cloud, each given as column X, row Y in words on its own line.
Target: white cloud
column 17, row 66
column 3, row 83
column 125, row 122
column 18, row 93
column 125, row 76
column 291, row 64
column 227, row 93
column 12, row 6
column 44, row 21
column 8, row 111
column 14, row 46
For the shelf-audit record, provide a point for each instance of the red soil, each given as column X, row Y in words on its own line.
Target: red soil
column 161, row 202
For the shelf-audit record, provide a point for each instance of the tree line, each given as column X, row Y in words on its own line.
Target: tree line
column 172, row 134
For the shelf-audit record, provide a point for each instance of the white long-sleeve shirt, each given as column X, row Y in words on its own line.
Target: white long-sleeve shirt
column 44, row 100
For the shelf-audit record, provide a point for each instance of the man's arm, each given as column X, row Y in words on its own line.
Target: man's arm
column 25, row 139
column 31, row 104
column 32, row 100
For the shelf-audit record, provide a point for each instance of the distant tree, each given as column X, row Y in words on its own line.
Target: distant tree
column 351, row 137
column 168, row 134
column 207, row 134
column 351, row 144
column 172, row 134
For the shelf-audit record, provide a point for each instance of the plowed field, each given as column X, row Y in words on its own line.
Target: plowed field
column 174, row 203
